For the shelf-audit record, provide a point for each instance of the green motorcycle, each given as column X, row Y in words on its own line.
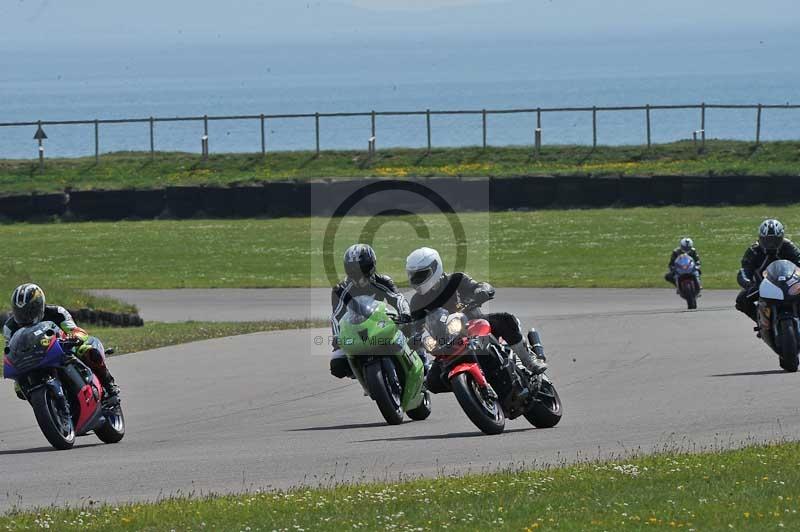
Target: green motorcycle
column 390, row 372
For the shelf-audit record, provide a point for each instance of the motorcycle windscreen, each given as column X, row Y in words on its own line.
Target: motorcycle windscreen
column 684, row 264
column 782, row 271
column 768, row 290
column 360, row 308
column 436, row 324
column 34, row 347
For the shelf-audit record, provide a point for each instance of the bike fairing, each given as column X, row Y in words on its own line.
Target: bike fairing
column 754, row 262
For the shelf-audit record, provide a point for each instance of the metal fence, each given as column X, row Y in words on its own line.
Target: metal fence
column 372, row 139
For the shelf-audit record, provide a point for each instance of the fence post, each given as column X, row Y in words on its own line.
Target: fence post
column 538, row 133
column 703, row 126
column 428, row 122
column 316, row 124
column 758, row 126
column 594, row 126
column 152, row 139
column 41, row 149
column 263, row 136
column 96, row 141
column 484, row 129
column 649, row 142
column 205, row 137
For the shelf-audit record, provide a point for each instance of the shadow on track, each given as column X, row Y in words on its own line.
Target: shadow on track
column 443, row 436
column 752, row 373
column 343, row 427
column 45, row 449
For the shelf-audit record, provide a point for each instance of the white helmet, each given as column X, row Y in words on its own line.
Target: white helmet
column 687, row 244
column 424, row 269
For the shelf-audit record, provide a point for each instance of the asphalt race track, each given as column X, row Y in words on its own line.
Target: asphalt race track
column 634, row 370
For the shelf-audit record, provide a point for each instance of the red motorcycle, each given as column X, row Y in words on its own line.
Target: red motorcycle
column 66, row 397
column 483, row 374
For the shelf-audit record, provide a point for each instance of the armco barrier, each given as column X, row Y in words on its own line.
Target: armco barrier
column 98, row 317
column 320, row 198
column 32, row 206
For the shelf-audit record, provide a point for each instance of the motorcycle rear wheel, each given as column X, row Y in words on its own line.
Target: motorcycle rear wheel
column 113, row 430
column 380, row 388
column 789, row 347
column 59, row 432
column 485, row 413
column 546, row 413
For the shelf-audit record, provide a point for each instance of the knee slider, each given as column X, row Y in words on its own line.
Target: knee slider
column 340, row 367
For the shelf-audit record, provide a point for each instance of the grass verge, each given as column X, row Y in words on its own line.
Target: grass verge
column 756, row 488
column 138, row 170
column 550, row 248
column 154, row 334
column 57, row 289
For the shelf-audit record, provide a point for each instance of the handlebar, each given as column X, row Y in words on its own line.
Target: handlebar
column 70, row 344
column 468, row 306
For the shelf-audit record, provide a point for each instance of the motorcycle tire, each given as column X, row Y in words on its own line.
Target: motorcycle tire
column 422, row 412
column 545, row 413
column 113, row 430
column 60, row 433
column 380, row 391
column 789, row 347
column 490, row 420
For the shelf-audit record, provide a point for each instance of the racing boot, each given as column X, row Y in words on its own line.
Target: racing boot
column 531, row 362
column 18, row 391
column 109, row 386
column 426, row 364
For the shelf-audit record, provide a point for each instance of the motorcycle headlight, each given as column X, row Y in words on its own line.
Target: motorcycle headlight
column 455, row 324
column 429, row 342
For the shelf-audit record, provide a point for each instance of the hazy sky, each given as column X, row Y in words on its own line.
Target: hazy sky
column 56, row 24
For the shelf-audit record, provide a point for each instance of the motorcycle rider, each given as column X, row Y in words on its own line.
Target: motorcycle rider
column 28, row 308
column 685, row 247
column 772, row 245
column 436, row 289
column 362, row 279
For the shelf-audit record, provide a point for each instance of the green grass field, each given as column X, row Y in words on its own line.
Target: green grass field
column 550, row 248
column 757, row 488
column 138, row 170
column 154, row 334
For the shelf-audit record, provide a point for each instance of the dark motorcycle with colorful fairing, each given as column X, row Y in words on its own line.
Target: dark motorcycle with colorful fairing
column 779, row 312
column 483, row 374
column 687, row 280
column 67, row 398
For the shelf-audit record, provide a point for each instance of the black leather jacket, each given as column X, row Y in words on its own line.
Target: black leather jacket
column 756, row 260
column 454, row 289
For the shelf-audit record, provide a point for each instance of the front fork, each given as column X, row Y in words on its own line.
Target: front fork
column 54, row 384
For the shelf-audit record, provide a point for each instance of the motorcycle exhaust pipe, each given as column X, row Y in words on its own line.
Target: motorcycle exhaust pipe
column 535, row 341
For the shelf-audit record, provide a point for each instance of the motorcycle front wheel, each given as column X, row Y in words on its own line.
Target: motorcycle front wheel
column 384, row 387
column 485, row 412
column 56, row 427
column 787, row 334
